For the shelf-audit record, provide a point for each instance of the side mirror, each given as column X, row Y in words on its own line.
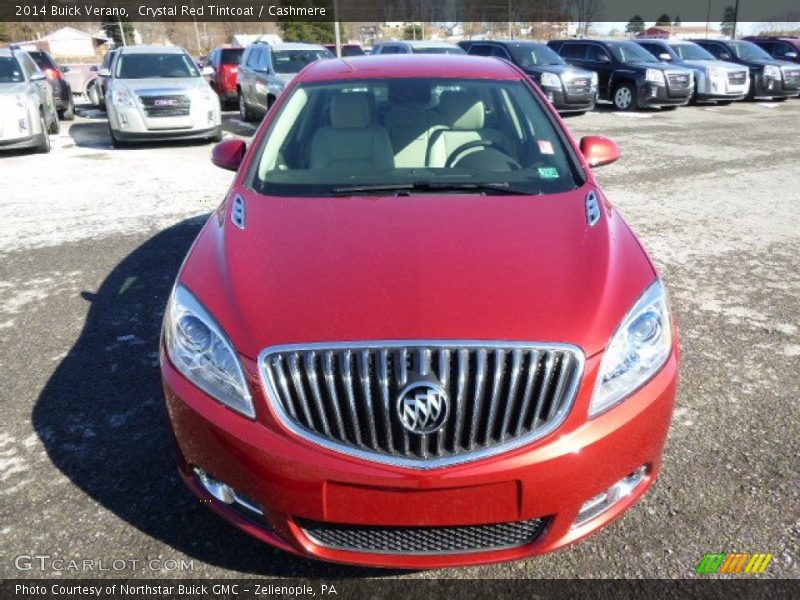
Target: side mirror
column 94, row 68
column 65, row 69
column 790, row 55
column 664, row 56
column 724, row 56
column 599, row 150
column 207, row 71
column 38, row 76
column 229, row 154
column 604, row 58
column 104, row 72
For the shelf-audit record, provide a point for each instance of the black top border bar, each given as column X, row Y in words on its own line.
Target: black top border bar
column 379, row 11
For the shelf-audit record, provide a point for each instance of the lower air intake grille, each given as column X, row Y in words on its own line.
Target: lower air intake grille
column 423, row 540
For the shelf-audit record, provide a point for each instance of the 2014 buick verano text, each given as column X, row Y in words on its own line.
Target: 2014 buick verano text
column 416, row 333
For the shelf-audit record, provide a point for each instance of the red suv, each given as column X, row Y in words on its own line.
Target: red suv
column 225, row 62
column 416, row 333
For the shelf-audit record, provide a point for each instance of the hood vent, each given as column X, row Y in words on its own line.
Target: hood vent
column 592, row 209
column 238, row 212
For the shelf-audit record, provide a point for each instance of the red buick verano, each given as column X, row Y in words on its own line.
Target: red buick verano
column 415, row 333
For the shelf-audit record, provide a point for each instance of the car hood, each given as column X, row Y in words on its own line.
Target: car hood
column 525, row 268
column 559, row 70
column 720, row 64
column 166, row 85
column 6, row 89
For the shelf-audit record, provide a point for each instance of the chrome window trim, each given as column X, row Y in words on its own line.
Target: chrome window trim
column 271, row 395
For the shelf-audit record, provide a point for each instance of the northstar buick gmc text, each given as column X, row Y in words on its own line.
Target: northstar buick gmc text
column 416, row 333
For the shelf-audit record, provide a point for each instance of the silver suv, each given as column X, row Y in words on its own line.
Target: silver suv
column 266, row 69
column 27, row 107
column 159, row 93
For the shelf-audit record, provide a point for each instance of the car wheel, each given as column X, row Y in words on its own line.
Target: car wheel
column 55, row 126
column 751, row 95
column 693, row 99
column 91, row 93
column 68, row 114
column 44, row 143
column 625, row 97
column 244, row 111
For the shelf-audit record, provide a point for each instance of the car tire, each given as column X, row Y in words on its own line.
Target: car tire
column 93, row 96
column 668, row 108
column 624, row 97
column 44, row 144
column 751, row 95
column 693, row 99
column 245, row 112
column 68, row 114
column 55, row 125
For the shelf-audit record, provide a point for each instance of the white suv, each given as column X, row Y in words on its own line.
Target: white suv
column 159, row 93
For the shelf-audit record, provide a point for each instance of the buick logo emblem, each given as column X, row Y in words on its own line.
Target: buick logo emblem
column 422, row 407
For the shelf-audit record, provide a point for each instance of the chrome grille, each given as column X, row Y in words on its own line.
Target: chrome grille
column 679, row 81
column 166, row 106
column 791, row 77
column 423, row 540
column 737, row 77
column 346, row 396
column 579, row 85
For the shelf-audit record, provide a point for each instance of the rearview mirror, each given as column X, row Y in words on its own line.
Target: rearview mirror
column 664, row 56
column 104, row 72
column 229, row 154
column 599, row 150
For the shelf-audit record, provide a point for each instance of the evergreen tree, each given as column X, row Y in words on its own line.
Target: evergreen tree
column 315, row 32
column 664, row 21
column 728, row 18
column 114, row 29
column 635, row 26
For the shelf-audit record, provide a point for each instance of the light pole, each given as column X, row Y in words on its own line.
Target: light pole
column 336, row 31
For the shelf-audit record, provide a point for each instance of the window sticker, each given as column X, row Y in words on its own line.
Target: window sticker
column 546, row 147
column 548, row 172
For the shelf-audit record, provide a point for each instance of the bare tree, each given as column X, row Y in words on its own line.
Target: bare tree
column 584, row 13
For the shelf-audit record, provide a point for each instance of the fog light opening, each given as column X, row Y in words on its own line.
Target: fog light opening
column 225, row 493
column 123, row 120
column 23, row 125
column 597, row 505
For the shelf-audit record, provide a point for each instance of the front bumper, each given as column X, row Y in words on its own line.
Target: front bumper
column 651, row 94
column 129, row 123
column 568, row 102
column 767, row 87
column 292, row 479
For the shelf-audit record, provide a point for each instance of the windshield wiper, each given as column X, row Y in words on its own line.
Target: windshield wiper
column 407, row 188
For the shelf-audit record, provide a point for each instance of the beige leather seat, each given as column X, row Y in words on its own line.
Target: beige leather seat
column 464, row 115
column 409, row 123
column 352, row 141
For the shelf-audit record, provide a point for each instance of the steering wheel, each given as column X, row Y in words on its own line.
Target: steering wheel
column 470, row 147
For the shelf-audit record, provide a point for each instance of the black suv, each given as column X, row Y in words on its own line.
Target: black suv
column 769, row 77
column 62, row 92
column 569, row 89
column 629, row 76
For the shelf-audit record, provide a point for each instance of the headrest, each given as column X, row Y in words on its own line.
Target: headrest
column 461, row 110
column 350, row 111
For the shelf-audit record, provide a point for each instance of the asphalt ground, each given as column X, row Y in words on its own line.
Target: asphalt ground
column 91, row 239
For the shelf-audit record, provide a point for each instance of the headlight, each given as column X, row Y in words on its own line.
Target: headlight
column 638, row 349
column 655, row 76
column 122, row 98
column 200, row 350
column 772, row 71
column 551, row 80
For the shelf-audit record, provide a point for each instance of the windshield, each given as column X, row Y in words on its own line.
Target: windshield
column 437, row 50
column 293, row 61
column 692, row 52
column 630, row 52
column 145, row 66
column 748, row 51
column 532, row 55
column 10, row 71
column 443, row 134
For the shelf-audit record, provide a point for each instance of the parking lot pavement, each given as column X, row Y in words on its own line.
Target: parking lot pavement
column 90, row 241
